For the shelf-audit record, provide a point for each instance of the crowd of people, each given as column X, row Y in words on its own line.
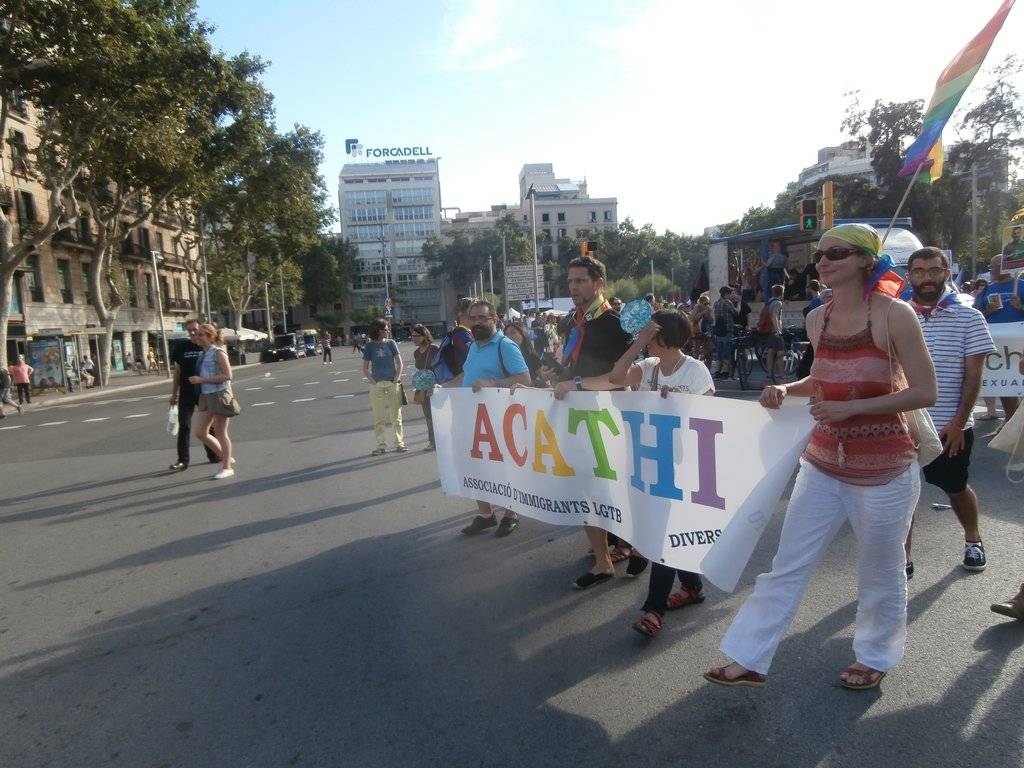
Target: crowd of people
column 874, row 363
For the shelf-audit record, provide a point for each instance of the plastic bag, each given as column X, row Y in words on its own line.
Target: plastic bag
column 172, row 421
column 1011, row 440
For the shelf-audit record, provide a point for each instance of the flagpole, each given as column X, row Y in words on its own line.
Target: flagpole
column 910, row 186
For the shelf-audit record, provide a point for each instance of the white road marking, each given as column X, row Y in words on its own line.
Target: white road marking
column 136, row 415
column 310, row 383
column 338, row 381
column 16, row 426
column 281, row 386
column 52, row 423
column 257, row 405
column 340, row 396
column 101, row 418
column 253, row 389
column 304, row 400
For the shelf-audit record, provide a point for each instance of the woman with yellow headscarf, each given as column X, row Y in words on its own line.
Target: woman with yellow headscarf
column 860, row 464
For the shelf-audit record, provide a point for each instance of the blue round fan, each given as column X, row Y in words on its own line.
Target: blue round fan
column 634, row 316
column 423, row 379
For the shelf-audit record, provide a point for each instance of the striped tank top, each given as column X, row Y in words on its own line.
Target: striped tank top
column 866, row 449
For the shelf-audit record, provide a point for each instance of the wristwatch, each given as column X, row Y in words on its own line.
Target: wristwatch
column 578, row 381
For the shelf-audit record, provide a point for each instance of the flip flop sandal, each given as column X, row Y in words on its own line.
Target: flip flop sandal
column 865, row 674
column 750, row 678
column 649, row 624
column 685, row 596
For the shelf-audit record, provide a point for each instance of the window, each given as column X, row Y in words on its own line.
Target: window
column 34, row 279
column 165, row 290
column 150, row 296
column 177, row 289
column 561, row 233
column 545, row 217
column 546, row 235
column 133, row 296
column 64, row 280
column 86, row 289
column 26, row 208
column 368, row 281
column 366, row 197
column 593, row 215
column 414, row 213
column 353, row 181
column 415, row 229
column 144, row 241
column 607, row 215
column 409, row 247
column 561, row 216
column 368, row 214
column 414, row 195
column 368, row 232
column 160, row 241
column 85, row 229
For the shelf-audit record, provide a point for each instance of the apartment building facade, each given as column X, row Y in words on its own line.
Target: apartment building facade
column 51, row 304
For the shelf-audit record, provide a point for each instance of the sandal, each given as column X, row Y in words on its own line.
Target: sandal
column 866, row 674
column 618, row 555
column 749, row 678
column 589, row 579
column 685, row 596
column 637, row 564
column 649, row 624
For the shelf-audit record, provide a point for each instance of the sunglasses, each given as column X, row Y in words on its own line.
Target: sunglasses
column 834, row 254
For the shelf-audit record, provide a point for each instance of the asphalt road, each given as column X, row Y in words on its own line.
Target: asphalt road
column 321, row 609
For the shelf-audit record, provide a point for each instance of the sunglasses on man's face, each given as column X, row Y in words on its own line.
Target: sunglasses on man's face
column 834, row 254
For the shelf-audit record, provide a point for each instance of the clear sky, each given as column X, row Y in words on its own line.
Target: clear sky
column 688, row 112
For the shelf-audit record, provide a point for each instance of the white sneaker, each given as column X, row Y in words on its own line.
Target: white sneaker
column 224, row 474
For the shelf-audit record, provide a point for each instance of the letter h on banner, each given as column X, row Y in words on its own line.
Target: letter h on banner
column 661, row 453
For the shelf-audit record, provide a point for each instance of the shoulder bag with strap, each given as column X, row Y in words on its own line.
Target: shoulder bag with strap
column 919, row 421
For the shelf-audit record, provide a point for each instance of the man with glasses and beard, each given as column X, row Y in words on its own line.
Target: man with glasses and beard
column 494, row 360
column 958, row 340
column 185, row 356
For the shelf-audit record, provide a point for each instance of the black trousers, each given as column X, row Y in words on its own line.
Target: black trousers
column 660, row 586
column 327, row 354
column 185, row 410
column 24, row 393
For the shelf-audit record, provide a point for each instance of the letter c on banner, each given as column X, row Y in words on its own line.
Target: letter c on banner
column 483, row 432
column 518, row 409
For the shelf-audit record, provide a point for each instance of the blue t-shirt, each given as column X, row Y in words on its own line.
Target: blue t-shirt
column 1007, row 314
column 483, row 362
column 381, row 355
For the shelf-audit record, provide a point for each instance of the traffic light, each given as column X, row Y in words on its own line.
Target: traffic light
column 828, row 214
column 588, row 248
column 809, row 215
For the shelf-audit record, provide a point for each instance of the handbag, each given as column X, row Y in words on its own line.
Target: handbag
column 401, row 393
column 223, row 403
column 919, row 421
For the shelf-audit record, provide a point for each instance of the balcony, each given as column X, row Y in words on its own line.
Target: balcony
column 166, row 218
column 6, row 198
column 29, row 228
column 73, row 236
column 179, row 305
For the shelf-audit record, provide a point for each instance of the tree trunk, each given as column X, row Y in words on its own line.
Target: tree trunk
column 6, row 294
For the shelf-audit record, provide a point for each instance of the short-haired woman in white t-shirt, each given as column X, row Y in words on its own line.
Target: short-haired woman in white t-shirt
column 665, row 369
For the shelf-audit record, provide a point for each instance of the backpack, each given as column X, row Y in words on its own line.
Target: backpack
column 446, row 364
column 765, row 326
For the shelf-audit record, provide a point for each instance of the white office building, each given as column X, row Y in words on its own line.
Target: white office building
column 388, row 210
column 563, row 207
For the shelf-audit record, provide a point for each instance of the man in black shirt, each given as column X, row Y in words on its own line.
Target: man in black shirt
column 596, row 341
column 185, row 357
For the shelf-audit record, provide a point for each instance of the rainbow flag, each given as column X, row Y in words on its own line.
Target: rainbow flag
column 954, row 80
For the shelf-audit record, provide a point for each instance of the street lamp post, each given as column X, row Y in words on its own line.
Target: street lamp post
column 384, row 263
column 160, row 313
column 532, row 194
column 284, row 311
column 266, row 299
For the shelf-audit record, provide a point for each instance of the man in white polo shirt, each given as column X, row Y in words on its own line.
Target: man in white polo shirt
column 958, row 340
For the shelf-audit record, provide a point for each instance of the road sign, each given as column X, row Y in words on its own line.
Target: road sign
column 519, row 281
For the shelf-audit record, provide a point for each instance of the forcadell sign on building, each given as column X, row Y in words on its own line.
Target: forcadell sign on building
column 355, row 150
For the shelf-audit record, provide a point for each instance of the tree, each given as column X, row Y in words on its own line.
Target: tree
column 268, row 207
column 327, row 270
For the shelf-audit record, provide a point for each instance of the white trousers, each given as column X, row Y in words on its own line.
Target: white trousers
column 880, row 517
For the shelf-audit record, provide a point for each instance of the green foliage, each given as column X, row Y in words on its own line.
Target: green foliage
column 327, row 269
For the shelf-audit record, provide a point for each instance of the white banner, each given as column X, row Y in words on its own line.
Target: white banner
column 1001, row 374
column 677, row 477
